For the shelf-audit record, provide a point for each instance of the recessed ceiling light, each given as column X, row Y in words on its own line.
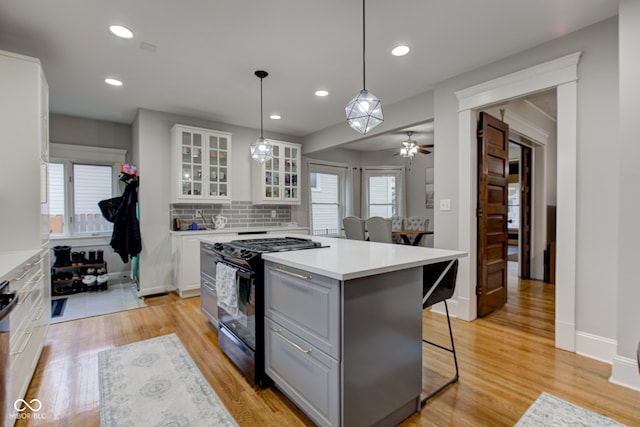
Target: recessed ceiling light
column 322, row 93
column 400, row 50
column 121, row 31
column 113, row 82
column 275, row 117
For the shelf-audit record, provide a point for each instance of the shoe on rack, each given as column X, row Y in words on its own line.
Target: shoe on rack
column 102, row 282
column 91, row 282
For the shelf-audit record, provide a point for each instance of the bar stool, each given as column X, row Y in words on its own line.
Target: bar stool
column 438, row 285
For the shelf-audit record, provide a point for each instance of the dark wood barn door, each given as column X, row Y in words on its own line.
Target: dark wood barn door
column 493, row 170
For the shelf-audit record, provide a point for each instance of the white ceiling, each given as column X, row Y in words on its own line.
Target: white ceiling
column 198, row 57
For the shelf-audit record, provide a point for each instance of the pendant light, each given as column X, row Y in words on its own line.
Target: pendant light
column 261, row 149
column 364, row 112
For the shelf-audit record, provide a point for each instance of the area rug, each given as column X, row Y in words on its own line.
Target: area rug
column 550, row 411
column 57, row 307
column 156, row 383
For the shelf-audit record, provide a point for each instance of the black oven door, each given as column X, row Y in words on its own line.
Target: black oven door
column 242, row 323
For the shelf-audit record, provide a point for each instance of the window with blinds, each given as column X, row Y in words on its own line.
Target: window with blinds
column 73, row 208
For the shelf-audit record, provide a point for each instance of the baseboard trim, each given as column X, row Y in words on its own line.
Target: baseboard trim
column 596, row 347
column 625, row 372
column 565, row 336
column 152, row 291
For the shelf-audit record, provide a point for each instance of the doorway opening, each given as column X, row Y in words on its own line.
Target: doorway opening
column 562, row 75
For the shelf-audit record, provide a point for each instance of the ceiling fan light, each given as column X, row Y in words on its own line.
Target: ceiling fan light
column 364, row 112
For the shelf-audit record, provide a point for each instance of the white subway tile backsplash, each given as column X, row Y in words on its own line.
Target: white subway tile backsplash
column 238, row 213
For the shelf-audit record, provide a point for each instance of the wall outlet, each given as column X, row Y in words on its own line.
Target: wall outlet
column 198, row 212
column 445, row 204
column 273, row 213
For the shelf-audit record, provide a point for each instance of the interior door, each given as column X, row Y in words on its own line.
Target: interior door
column 493, row 171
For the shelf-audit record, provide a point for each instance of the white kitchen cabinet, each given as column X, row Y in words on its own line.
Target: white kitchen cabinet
column 24, row 113
column 185, row 254
column 277, row 181
column 201, row 162
column 29, row 322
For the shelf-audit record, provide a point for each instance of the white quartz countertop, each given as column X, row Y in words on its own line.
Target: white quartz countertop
column 236, row 230
column 345, row 259
column 12, row 259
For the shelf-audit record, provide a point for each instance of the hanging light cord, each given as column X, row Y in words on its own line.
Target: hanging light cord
column 364, row 85
column 261, row 135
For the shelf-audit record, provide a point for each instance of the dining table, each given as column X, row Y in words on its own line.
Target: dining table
column 405, row 234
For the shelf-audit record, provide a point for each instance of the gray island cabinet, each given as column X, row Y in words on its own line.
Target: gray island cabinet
column 343, row 329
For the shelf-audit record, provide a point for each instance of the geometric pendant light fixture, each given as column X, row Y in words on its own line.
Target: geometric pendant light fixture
column 364, row 112
column 261, row 149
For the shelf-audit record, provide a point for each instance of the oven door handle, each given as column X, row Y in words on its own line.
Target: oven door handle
column 242, row 272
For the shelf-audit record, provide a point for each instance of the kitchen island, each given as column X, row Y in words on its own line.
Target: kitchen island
column 343, row 328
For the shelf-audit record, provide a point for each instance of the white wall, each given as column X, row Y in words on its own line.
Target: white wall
column 625, row 369
column 95, row 133
column 152, row 153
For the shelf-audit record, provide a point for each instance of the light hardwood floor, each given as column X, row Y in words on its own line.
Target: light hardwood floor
column 506, row 360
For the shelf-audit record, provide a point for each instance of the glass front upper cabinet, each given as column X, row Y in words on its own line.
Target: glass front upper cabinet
column 201, row 165
column 277, row 181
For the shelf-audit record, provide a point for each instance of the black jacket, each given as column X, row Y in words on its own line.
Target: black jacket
column 125, row 239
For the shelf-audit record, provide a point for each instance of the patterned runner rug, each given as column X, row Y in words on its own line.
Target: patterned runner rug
column 549, row 410
column 156, row 383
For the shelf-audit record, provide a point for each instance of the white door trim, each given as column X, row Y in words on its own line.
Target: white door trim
column 561, row 73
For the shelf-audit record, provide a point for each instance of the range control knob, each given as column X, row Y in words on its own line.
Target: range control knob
column 217, row 246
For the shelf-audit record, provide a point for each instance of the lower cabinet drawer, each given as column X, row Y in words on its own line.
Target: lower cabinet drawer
column 309, row 377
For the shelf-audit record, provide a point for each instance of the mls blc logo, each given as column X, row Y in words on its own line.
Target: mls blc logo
column 34, row 405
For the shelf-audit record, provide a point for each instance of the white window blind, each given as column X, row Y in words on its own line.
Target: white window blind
column 56, row 198
column 91, row 184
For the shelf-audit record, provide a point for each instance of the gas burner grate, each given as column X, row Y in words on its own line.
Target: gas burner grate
column 275, row 244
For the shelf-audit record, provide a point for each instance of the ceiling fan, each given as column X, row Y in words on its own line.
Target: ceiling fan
column 409, row 147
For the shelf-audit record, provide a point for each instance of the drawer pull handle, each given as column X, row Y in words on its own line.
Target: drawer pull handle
column 24, row 343
column 290, row 273
column 32, row 281
column 39, row 314
column 24, row 273
column 292, row 343
column 37, row 263
column 24, row 298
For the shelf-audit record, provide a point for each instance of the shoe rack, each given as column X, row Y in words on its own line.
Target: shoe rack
column 75, row 272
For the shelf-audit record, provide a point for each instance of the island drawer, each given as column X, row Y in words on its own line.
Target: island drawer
column 306, row 304
column 305, row 374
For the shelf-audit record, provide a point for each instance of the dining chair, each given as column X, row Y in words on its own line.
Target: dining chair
column 397, row 224
column 353, row 227
column 438, row 285
column 417, row 223
column 379, row 229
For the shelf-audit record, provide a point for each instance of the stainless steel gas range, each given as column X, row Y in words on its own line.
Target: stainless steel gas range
column 239, row 284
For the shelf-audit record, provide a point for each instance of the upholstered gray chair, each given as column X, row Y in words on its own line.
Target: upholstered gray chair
column 353, row 227
column 379, row 229
column 397, row 223
column 417, row 223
